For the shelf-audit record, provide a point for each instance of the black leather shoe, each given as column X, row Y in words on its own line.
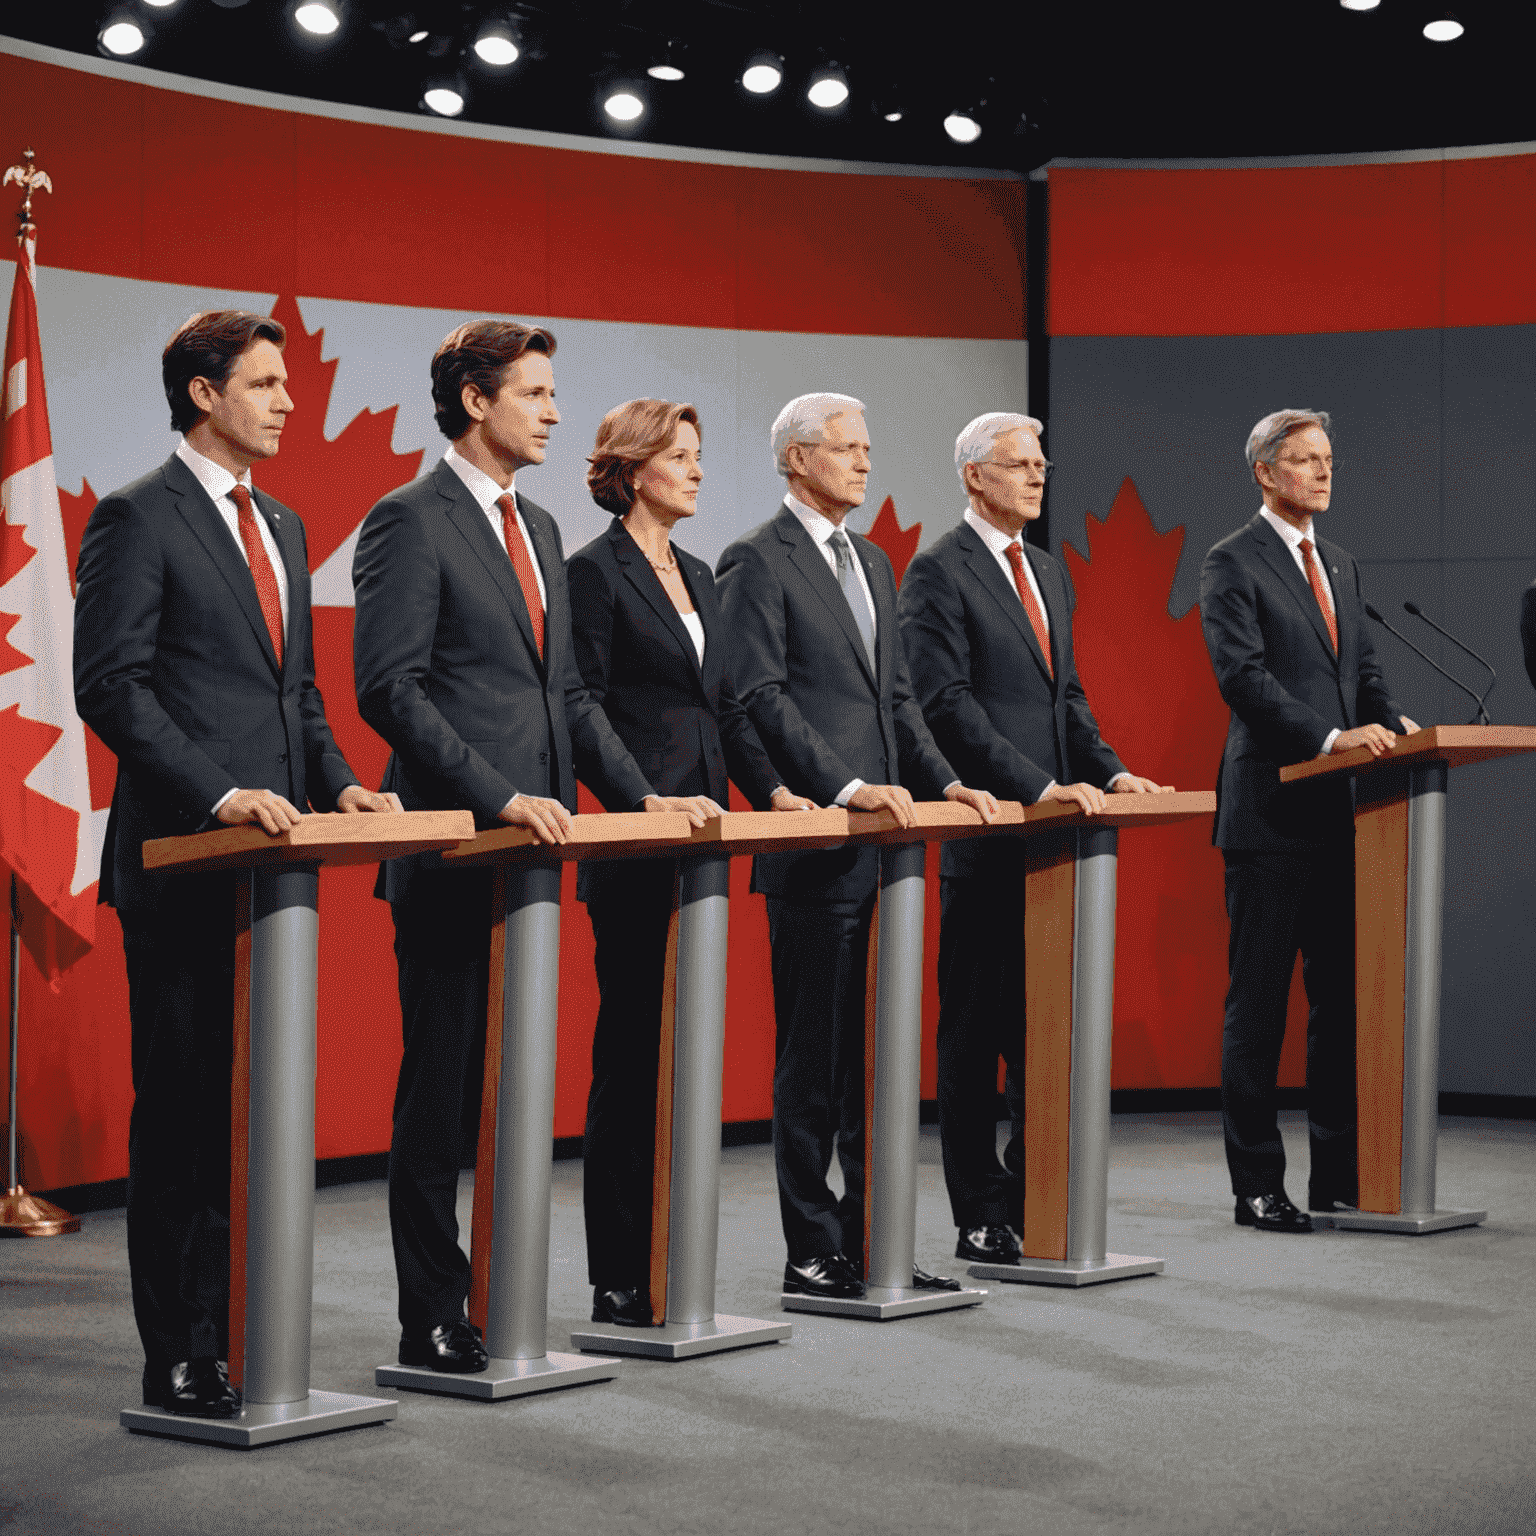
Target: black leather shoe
column 923, row 1281
column 831, row 1276
column 1271, row 1213
column 199, row 1389
column 632, row 1308
column 453, row 1347
column 989, row 1245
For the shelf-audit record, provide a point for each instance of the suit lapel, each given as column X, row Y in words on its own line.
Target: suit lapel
column 285, row 534
column 1272, row 547
column 997, row 586
column 637, row 571
column 809, row 561
column 1345, row 614
column 202, row 517
column 465, row 514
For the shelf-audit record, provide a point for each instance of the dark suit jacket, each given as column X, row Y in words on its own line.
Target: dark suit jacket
column 1276, row 669
column 175, row 671
column 1528, row 631
column 800, row 668
column 448, row 673
column 978, row 673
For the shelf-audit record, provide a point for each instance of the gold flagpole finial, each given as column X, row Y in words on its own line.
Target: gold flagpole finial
column 29, row 177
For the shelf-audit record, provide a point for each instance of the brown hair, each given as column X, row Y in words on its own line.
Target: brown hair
column 207, row 346
column 479, row 352
column 629, row 435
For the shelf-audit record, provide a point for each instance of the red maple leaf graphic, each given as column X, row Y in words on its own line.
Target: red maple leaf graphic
column 10, row 657
column 1149, row 680
column 76, row 513
column 14, row 551
column 899, row 543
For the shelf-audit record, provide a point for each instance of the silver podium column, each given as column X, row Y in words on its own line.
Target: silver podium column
column 693, row 1197
column 1093, row 1018
column 518, row 1295
column 890, row 1175
column 279, row 1253
column 1421, row 1024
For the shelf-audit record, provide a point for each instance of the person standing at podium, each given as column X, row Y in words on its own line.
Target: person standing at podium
column 650, row 642
column 987, row 625
column 1284, row 621
column 818, row 661
column 464, row 665
column 193, row 662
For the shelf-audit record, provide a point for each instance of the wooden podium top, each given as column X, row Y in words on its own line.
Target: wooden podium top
column 1453, row 744
column 606, row 835
column 936, row 821
column 1124, row 811
column 772, row 831
column 331, row 839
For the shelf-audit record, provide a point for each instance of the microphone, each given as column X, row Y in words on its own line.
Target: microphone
column 1371, row 613
column 1493, row 677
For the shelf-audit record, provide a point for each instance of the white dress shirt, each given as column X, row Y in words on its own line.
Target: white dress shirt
column 998, row 541
column 218, row 482
column 486, row 493
column 695, row 627
column 1292, row 538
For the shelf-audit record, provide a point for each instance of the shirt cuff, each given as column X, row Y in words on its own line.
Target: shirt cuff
column 1328, row 742
column 516, row 795
column 1040, row 798
column 219, row 804
column 953, row 783
column 1124, row 774
column 847, row 792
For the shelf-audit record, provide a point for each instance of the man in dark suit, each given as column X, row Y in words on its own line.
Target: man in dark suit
column 193, row 663
column 464, row 666
column 1284, row 622
column 987, row 624
column 818, row 662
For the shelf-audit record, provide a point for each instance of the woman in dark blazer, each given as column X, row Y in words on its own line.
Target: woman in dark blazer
column 651, row 645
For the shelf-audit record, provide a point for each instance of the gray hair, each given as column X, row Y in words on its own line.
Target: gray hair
column 976, row 442
column 1265, row 439
column 804, row 420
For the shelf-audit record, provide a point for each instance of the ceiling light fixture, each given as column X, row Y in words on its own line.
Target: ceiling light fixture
column 317, row 17
column 445, row 96
column 624, row 105
column 121, row 37
column 496, row 45
column 962, row 127
column 764, row 72
column 829, row 87
column 160, row 4
column 1446, row 30
column 419, row 37
column 667, row 66
column 1360, row 5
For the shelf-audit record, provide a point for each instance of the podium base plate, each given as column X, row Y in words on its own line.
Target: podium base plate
column 1028, row 1271
column 1413, row 1224
column 265, row 1423
column 501, row 1378
column 881, row 1303
column 681, row 1341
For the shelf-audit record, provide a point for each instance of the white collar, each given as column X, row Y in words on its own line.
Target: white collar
column 817, row 524
column 214, row 478
column 1288, row 531
column 479, row 484
column 994, row 538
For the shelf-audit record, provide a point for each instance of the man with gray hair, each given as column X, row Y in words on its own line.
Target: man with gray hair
column 818, row 662
column 1284, row 621
column 987, row 623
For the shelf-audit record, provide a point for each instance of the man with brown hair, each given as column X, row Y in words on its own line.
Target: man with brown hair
column 193, row 663
column 465, row 667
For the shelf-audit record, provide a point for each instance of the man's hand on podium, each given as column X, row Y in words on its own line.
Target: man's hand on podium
column 259, row 805
column 982, row 801
column 1088, row 799
column 697, row 808
column 1377, row 738
column 787, row 800
column 354, row 799
column 1131, row 784
column 883, row 797
column 548, row 820
column 1408, row 726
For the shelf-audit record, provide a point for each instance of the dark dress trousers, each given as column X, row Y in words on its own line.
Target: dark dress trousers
column 685, row 728
column 448, row 673
column 1008, row 726
column 826, row 718
column 1288, row 849
column 175, row 671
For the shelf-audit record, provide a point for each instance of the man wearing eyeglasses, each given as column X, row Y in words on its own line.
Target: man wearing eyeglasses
column 986, row 621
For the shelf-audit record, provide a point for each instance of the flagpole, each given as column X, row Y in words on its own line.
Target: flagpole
column 21, row 1214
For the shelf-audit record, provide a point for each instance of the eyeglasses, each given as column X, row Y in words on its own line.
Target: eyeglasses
column 1042, row 467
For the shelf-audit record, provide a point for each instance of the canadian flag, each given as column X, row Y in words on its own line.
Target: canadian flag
column 49, row 835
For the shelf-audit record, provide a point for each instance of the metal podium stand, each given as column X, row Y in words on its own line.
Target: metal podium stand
column 1069, row 995
column 686, row 1210
column 272, row 1174
column 509, row 1239
column 1399, row 895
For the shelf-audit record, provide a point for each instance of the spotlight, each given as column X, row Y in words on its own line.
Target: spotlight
column 445, row 96
column 160, row 4
column 317, row 17
column 624, row 105
column 1446, row 30
column 962, row 128
column 829, row 87
column 121, row 36
column 667, row 67
column 763, row 73
column 419, row 37
column 496, row 45
column 889, row 105
column 1359, row 5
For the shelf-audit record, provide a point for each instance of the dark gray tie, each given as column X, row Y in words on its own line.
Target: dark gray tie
column 848, row 580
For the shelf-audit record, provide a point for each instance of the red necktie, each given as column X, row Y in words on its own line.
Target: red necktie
column 522, row 563
column 1315, row 577
column 261, row 569
column 1015, row 553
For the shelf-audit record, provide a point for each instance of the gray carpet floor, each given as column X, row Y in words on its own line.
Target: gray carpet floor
column 1332, row 1383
